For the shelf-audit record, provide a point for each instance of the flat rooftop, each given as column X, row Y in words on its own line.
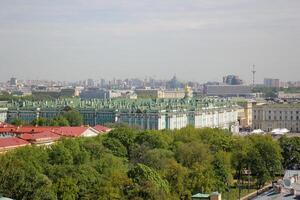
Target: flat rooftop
column 272, row 195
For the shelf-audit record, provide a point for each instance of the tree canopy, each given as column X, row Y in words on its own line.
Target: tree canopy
column 135, row 164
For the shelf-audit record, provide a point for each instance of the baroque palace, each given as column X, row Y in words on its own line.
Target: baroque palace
column 145, row 113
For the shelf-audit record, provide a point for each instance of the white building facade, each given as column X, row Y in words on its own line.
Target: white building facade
column 3, row 114
column 271, row 116
column 177, row 119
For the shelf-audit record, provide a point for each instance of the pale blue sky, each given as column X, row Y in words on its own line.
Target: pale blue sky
column 198, row 40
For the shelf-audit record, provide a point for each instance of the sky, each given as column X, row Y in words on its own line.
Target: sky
column 197, row 40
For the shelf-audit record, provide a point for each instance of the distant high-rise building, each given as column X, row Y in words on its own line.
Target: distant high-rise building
column 269, row 82
column 102, row 82
column 13, row 81
column 94, row 93
column 227, row 90
column 232, row 80
column 90, row 83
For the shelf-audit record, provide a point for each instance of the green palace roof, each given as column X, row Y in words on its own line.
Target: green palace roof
column 126, row 104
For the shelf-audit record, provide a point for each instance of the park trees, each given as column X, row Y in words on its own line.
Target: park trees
column 290, row 152
column 264, row 158
column 135, row 164
column 239, row 157
column 223, row 170
column 73, row 117
column 18, row 122
column 59, row 121
column 69, row 117
column 189, row 153
column 148, row 183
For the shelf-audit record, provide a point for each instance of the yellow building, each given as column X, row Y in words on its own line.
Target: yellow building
column 245, row 114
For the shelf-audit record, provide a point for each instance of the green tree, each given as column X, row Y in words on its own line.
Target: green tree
column 88, row 179
column 113, row 180
column 264, row 158
column 40, row 122
column 135, row 164
column 73, row 117
column 47, row 192
column 116, row 147
column 95, row 147
column 78, row 153
column 126, row 136
column 219, row 140
column 56, row 121
column 290, row 152
column 267, row 91
column 189, row 153
column 60, row 155
column 19, row 180
column 157, row 158
column 202, row 178
column 222, row 170
column 148, row 183
column 67, row 188
column 154, row 139
column 18, row 122
column 59, row 121
column 177, row 177
column 239, row 158
column 32, row 155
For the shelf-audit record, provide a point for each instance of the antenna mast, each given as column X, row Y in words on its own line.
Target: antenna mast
column 253, row 75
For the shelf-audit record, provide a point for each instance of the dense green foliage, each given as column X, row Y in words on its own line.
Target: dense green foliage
column 267, row 91
column 56, row 121
column 134, row 164
column 73, row 117
column 66, row 118
column 272, row 92
column 290, row 152
column 18, row 122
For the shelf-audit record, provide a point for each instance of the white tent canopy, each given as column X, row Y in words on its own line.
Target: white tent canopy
column 280, row 131
column 257, row 131
column 284, row 130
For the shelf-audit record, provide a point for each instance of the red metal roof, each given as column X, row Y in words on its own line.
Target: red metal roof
column 7, row 129
column 25, row 129
column 12, row 142
column 71, row 131
column 101, row 128
column 26, row 136
column 32, row 129
column 6, row 125
column 46, row 135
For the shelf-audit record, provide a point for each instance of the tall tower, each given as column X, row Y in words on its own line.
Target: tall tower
column 253, row 75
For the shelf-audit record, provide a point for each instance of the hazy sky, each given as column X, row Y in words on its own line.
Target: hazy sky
column 198, row 40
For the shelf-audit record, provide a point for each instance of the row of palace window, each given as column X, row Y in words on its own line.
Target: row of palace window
column 275, row 112
column 280, row 118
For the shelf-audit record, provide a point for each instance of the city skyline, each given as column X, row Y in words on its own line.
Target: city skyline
column 220, row 80
column 196, row 40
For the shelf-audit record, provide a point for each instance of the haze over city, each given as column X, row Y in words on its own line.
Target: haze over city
column 149, row 99
column 199, row 40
